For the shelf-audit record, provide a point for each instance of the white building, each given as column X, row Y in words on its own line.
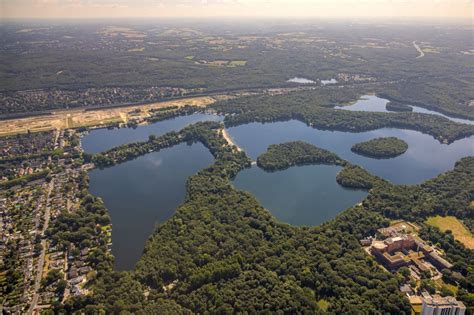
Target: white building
column 438, row 305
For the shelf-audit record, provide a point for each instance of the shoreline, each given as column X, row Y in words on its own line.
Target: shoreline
column 229, row 139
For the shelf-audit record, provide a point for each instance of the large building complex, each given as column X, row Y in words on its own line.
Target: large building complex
column 407, row 250
column 438, row 305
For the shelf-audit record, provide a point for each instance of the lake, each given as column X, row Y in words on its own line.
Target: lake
column 424, row 159
column 372, row 103
column 146, row 191
column 331, row 81
column 301, row 195
column 143, row 192
column 301, row 80
column 310, row 195
column 98, row 140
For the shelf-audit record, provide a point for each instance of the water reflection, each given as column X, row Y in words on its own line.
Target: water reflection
column 143, row 192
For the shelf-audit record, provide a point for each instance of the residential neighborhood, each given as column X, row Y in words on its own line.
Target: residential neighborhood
column 40, row 98
column 37, row 267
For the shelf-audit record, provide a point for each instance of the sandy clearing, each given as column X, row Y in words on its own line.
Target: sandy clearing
column 229, row 139
column 74, row 118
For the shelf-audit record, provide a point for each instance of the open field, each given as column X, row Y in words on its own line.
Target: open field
column 460, row 232
column 219, row 63
column 122, row 31
column 64, row 119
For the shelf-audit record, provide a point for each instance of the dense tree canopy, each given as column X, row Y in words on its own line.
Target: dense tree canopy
column 223, row 252
column 381, row 148
column 281, row 156
column 398, row 107
column 314, row 108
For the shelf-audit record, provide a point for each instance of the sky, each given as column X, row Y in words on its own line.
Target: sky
column 236, row 8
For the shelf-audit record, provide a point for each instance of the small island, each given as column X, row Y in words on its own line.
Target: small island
column 284, row 155
column 381, row 148
column 398, row 107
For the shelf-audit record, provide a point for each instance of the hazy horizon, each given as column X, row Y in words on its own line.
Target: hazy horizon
column 80, row 9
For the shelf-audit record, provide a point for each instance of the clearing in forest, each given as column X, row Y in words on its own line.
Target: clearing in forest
column 460, row 232
column 74, row 118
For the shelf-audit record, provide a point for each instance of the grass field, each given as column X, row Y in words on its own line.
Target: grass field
column 460, row 232
column 235, row 63
column 221, row 63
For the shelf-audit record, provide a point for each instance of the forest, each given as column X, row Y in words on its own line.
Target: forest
column 285, row 155
column 381, row 148
column 314, row 108
column 354, row 176
column 223, row 252
column 398, row 107
column 69, row 63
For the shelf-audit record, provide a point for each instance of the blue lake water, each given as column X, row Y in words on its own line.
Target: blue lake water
column 372, row 103
column 310, row 195
column 302, row 195
column 331, row 81
column 143, row 192
column 301, row 80
column 424, row 159
column 99, row 140
column 146, row 191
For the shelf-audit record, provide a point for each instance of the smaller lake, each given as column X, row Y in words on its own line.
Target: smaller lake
column 331, row 81
column 143, row 192
column 301, row 80
column 417, row 109
column 372, row 103
column 301, row 195
column 99, row 140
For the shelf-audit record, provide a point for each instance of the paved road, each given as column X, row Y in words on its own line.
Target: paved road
column 422, row 54
column 39, row 268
